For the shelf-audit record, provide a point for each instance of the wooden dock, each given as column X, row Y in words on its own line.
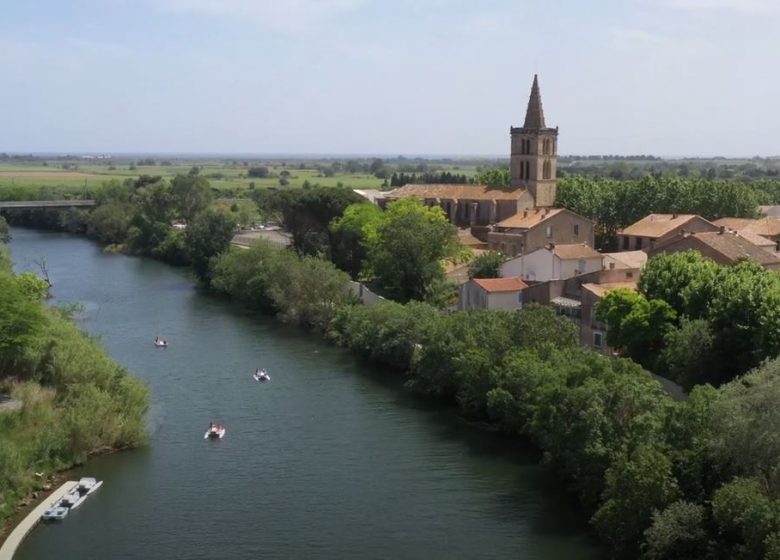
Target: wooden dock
column 27, row 524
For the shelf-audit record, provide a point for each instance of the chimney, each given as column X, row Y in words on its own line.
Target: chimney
column 722, row 230
column 525, row 213
column 546, row 211
column 551, row 246
column 674, row 215
column 537, row 209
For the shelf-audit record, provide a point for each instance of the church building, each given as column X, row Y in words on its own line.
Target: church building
column 489, row 211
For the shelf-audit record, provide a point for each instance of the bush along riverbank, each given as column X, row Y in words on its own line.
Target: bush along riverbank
column 661, row 479
column 76, row 401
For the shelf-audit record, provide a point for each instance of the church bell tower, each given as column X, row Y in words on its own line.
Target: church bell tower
column 534, row 153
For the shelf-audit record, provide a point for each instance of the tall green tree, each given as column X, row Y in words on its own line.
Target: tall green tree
column 405, row 257
column 352, row 233
column 190, row 195
column 207, row 236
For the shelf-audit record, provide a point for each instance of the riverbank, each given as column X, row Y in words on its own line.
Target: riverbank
column 29, row 519
column 77, row 402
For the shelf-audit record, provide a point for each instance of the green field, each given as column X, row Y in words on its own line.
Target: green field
column 79, row 177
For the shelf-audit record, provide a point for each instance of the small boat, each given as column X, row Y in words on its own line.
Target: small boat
column 261, row 376
column 56, row 513
column 161, row 343
column 73, row 499
column 87, row 485
column 215, row 431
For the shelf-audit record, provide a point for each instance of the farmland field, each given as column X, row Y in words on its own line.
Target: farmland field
column 69, row 177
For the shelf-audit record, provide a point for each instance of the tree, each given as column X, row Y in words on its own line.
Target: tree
column 637, row 485
column 494, row 177
column 411, row 240
column 5, row 232
column 687, row 354
column 636, row 326
column 683, row 280
column 678, row 533
column 191, row 194
column 259, row 172
column 208, row 236
column 486, row 265
column 351, row 234
column 307, row 215
column 22, row 322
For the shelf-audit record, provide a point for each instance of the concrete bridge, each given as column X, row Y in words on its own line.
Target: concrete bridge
column 32, row 204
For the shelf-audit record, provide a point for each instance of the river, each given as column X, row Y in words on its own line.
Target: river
column 330, row 459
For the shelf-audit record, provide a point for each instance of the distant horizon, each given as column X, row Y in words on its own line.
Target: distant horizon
column 325, row 155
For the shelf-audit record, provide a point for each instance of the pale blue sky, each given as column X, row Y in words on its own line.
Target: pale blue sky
column 667, row 77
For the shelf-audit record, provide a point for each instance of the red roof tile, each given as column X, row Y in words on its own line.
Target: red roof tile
column 512, row 284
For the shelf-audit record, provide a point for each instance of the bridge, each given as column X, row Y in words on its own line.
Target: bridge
column 33, row 204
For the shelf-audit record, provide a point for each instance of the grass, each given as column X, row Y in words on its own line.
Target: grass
column 227, row 176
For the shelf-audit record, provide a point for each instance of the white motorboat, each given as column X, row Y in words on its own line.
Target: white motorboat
column 73, row 499
column 87, row 485
column 215, row 431
column 55, row 513
column 161, row 343
column 261, row 376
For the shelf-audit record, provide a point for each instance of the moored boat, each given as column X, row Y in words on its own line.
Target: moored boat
column 261, row 375
column 87, row 485
column 55, row 513
column 73, row 499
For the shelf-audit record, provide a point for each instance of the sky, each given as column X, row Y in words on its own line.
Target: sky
column 392, row 77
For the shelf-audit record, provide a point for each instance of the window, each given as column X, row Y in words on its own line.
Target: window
column 581, row 266
column 548, row 231
column 520, row 298
column 625, row 243
column 576, row 230
column 598, row 339
column 638, row 243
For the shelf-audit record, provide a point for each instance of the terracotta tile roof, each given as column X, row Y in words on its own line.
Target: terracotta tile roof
column 600, row 289
column 735, row 223
column 530, row 218
column 758, row 240
column 735, row 247
column 456, row 191
column 493, row 285
column 575, row 251
column 631, row 259
column 768, row 227
column 658, row 225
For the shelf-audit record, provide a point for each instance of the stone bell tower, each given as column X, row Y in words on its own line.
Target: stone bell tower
column 533, row 159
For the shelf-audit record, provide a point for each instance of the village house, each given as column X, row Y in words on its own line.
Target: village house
column 645, row 234
column 553, row 262
column 757, row 231
column 534, row 228
column 569, row 298
column 724, row 247
column 624, row 259
column 492, row 293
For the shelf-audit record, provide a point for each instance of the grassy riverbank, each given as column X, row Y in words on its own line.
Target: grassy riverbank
column 76, row 400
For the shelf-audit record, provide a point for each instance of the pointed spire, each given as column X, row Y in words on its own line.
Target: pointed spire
column 534, row 116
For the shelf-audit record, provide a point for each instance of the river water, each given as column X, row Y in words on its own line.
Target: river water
column 330, row 459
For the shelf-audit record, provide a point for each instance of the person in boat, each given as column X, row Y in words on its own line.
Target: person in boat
column 156, row 339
